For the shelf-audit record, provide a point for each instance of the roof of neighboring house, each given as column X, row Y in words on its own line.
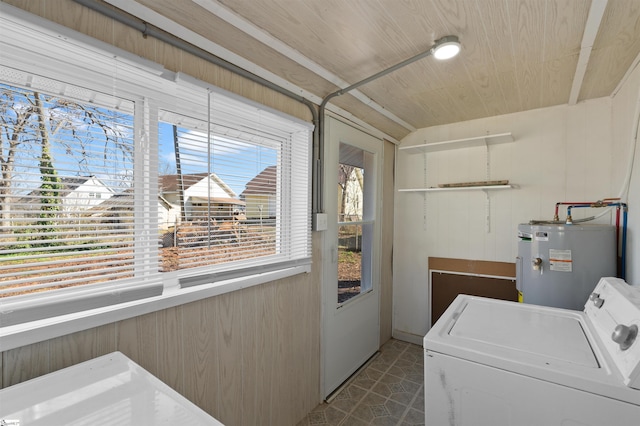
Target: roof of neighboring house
column 71, row 183
column 171, row 183
column 68, row 185
column 122, row 200
column 264, row 183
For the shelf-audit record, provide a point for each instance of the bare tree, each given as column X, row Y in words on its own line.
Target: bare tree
column 344, row 175
column 16, row 125
column 36, row 128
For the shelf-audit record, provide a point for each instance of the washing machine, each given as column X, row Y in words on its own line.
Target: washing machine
column 105, row 391
column 494, row 362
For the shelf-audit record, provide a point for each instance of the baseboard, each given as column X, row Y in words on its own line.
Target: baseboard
column 408, row 337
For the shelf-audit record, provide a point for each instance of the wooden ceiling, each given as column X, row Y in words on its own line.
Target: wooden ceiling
column 516, row 54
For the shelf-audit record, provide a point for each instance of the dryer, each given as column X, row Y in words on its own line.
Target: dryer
column 494, row 362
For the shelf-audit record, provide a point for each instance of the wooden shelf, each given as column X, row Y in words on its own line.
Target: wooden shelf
column 458, row 188
column 459, row 143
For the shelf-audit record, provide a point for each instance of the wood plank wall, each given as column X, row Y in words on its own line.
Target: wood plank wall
column 248, row 357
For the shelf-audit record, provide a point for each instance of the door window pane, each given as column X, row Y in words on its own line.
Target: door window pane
column 354, row 230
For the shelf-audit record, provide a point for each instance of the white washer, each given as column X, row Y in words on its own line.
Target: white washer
column 493, row 362
column 105, row 391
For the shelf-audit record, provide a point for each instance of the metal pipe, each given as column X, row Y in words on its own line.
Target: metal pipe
column 375, row 76
column 556, row 217
column 605, row 202
column 148, row 30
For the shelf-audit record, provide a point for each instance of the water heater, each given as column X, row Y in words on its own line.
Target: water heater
column 559, row 265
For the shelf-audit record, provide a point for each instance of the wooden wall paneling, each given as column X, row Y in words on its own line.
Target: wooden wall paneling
column 282, row 384
column 199, row 339
column 311, row 359
column 299, row 336
column 170, row 348
column 266, row 349
column 82, row 346
column 36, row 7
column 169, row 56
column 229, row 322
column 354, row 106
column 250, row 355
column 314, row 316
column 125, row 37
column 137, row 338
column 301, row 381
column 197, row 67
column 80, row 18
column 25, row 363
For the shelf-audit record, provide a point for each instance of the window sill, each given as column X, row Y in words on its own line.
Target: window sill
column 19, row 335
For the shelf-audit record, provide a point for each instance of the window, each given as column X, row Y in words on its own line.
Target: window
column 123, row 180
column 236, row 183
column 355, row 222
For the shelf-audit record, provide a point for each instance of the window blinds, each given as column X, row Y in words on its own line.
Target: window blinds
column 240, row 181
column 83, row 205
column 67, row 203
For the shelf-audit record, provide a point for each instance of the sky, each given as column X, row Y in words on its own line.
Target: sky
column 233, row 161
column 80, row 149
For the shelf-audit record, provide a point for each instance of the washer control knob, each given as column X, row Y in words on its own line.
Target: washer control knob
column 596, row 299
column 625, row 335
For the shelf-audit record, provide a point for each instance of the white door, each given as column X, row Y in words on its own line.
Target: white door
column 351, row 274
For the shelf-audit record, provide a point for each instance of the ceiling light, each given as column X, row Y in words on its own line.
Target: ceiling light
column 446, row 48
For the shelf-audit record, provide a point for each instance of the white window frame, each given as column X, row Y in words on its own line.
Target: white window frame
column 41, row 47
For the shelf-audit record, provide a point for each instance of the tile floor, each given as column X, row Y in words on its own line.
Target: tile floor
column 389, row 391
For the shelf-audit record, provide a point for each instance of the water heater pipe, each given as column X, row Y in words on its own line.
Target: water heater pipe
column 618, row 206
column 556, row 217
column 599, row 203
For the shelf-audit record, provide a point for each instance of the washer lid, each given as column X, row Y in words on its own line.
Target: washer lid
column 551, row 336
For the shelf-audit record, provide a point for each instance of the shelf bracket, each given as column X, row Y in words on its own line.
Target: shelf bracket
column 424, row 200
column 487, row 225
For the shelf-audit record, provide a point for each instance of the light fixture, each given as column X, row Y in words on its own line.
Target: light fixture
column 446, row 48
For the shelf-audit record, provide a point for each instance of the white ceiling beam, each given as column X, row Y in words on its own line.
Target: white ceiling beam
column 596, row 12
column 268, row 40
